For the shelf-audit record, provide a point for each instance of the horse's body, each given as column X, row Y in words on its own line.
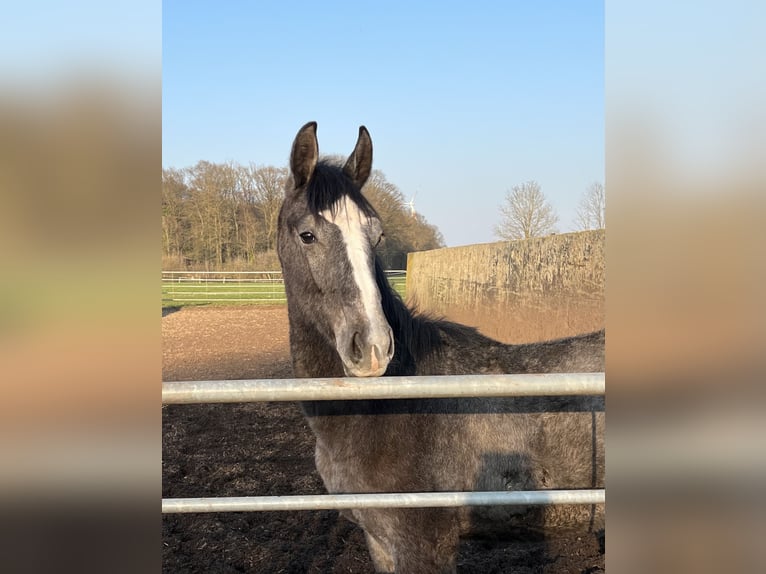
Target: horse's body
column 346, row 320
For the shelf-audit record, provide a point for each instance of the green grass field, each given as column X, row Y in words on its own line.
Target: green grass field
column 178, row 294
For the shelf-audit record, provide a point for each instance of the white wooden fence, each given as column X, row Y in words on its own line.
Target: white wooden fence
column 195, row 287
column 378, row 388
column 265, row 287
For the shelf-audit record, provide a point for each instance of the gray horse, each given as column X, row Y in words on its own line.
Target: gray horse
column 345, row 320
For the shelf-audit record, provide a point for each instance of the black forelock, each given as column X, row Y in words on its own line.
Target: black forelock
column 328, row 184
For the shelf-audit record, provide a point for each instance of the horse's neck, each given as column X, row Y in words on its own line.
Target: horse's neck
column 312, row 355
column 418, row 339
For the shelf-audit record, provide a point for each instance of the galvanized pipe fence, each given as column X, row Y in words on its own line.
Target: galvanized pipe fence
column 462, row 386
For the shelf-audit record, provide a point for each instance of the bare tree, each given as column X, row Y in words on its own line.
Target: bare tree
column 174, row 192
column 269, row 185
column 526, row 213
column 591, row 213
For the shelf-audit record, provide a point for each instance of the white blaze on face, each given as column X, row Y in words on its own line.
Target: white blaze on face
column 351, row 221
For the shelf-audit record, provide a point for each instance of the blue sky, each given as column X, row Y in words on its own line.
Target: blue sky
column 43, row 41
column 463, row 100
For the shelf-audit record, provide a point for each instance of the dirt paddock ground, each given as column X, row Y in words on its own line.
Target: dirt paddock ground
column 267, row 449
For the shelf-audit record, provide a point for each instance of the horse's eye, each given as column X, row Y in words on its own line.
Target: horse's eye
column 307, row 237
column 381, row 239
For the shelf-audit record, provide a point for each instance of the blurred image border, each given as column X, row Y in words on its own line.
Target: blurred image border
column 81, row 154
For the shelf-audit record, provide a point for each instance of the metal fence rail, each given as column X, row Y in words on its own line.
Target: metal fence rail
column 377, row 388
column 385, row 500
column 254, row 390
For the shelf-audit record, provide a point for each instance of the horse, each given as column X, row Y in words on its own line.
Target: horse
column 346, row 320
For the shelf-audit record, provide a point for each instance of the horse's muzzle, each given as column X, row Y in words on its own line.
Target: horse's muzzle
column 368, row 354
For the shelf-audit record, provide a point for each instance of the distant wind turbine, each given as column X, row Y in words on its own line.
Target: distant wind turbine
column 411, row 204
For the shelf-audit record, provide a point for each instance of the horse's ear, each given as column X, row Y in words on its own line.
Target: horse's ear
column 359, row 163
column 304, row 155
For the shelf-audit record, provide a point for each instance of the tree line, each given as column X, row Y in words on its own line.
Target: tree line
column 223, row 216
column 525, row 212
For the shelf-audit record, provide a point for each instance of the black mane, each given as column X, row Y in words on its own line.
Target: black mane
column 418, row 338
column 328, row 184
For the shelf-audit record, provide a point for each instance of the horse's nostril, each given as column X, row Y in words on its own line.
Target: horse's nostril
column 357, row 352
column 390, row 350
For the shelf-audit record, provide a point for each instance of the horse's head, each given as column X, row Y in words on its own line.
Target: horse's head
column 327, row 238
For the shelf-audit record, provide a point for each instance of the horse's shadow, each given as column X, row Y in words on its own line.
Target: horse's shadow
column 168, row 310
column 525, row 538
